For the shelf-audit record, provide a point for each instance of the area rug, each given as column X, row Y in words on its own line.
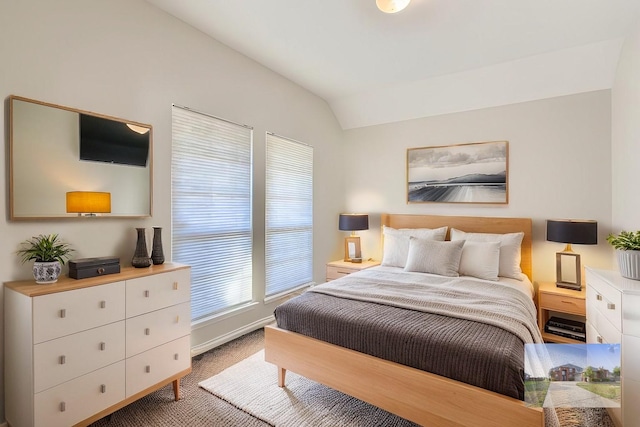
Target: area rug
column 252, row 386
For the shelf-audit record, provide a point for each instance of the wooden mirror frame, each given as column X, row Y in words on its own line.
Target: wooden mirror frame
column 30, row 160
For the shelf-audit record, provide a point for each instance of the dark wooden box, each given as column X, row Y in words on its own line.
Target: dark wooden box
column 92, row 267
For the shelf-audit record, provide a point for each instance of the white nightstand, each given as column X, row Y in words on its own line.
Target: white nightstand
column 337, row 269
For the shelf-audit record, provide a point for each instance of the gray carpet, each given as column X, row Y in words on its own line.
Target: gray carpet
column 200, row 408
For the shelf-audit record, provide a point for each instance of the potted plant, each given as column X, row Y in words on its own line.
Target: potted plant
column 49, row 254
column 627, row 245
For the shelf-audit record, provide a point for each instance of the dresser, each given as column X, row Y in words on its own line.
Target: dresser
column 78, row 350
column 613, row 316
column 337, row 269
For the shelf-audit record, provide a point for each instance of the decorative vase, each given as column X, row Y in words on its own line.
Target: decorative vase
column 141, row 256
column 629, row 264
column 157, row 255
column 46, row 272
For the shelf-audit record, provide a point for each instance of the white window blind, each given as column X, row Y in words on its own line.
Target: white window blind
column 211, row 169
column 289, row 214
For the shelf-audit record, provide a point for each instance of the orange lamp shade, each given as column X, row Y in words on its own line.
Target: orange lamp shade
column 88, row 202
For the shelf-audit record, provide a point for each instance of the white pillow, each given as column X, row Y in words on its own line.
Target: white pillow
column 480, row 259
column 431, row 256
column 396, row 242
column 509, row 249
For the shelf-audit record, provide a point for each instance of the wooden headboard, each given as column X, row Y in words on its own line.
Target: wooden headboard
column 470, row 224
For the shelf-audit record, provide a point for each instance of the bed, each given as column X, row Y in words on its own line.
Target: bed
column 412, row 393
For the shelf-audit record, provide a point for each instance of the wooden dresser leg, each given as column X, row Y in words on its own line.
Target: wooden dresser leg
column 281, row 374
column 176, row 389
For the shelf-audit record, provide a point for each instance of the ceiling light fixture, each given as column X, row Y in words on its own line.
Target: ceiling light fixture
column 392, row 6
column 141, row 130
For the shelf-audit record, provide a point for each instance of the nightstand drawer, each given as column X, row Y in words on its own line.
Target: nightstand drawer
column 562, row 303
column 337, row 272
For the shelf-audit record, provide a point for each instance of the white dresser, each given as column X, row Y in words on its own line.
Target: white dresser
column 613, row 316
column 78, row 350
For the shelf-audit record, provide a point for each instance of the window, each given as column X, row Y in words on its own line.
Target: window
column 211, row 180
column 289, row 215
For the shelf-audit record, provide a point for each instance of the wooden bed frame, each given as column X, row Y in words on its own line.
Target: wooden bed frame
column 419, row 396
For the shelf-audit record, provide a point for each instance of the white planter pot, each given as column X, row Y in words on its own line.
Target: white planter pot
column 46, row 272
column 629, row 264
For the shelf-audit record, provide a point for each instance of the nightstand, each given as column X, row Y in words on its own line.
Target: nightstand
column 562, row 303
column 337, row 269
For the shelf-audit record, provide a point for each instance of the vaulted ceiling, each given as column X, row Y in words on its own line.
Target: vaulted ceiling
column 435, row 57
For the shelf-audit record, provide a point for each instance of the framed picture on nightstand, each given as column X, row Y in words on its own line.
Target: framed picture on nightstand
column 352, row 249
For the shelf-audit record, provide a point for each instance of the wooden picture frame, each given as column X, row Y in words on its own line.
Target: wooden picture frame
column 352, row 252
column 464, row 173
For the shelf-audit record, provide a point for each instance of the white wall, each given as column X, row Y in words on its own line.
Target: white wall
column 559, row 167
column 626, row 136
column 127, row 59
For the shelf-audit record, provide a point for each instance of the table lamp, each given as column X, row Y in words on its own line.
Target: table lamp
column 571, row 231
column 88, row 203
column 353, row 223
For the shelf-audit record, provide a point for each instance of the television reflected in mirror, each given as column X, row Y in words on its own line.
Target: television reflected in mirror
column 55, row 150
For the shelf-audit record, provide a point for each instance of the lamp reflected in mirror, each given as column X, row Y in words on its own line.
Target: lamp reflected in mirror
column 88, row 203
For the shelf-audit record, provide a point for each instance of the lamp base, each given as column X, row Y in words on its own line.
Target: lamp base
column 566, row 285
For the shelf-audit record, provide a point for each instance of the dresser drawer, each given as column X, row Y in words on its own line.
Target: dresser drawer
column 149, row 368
column 603, row 329
column 562, row 303
column 157, row 291
column 605, row 300
column 76, row 400
column 158, row 327
column 630, row 358
column 64, row 313
column 65, row 358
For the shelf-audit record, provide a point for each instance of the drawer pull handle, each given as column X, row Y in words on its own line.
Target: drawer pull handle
column 569, row 302
column 599, row 297
column 63, row 313
column 63, row 360
column 176, row 356
column 146, row 294
column 175, row 286
column 177, row 319
column 103, row 388
column 103, row 346
column 343, row 272
column 147, row 331
column 147, row 369
column 611, row 306
column 599, row 339
column 63, row 406
column 103, row 304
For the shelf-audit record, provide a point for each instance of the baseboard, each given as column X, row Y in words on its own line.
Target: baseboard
column 206, row 346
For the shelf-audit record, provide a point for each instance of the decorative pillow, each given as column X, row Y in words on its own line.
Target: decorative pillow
column 432, row 256
column 480, row 259
column 509, row 249
column 396, row 242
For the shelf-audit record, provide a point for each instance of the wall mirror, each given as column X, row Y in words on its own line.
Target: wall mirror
column 69, row 163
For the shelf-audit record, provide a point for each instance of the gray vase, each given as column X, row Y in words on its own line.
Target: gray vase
column 141, row 255
column 157, row 254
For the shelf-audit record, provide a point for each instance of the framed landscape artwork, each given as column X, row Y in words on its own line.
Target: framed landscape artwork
column 464, row 173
